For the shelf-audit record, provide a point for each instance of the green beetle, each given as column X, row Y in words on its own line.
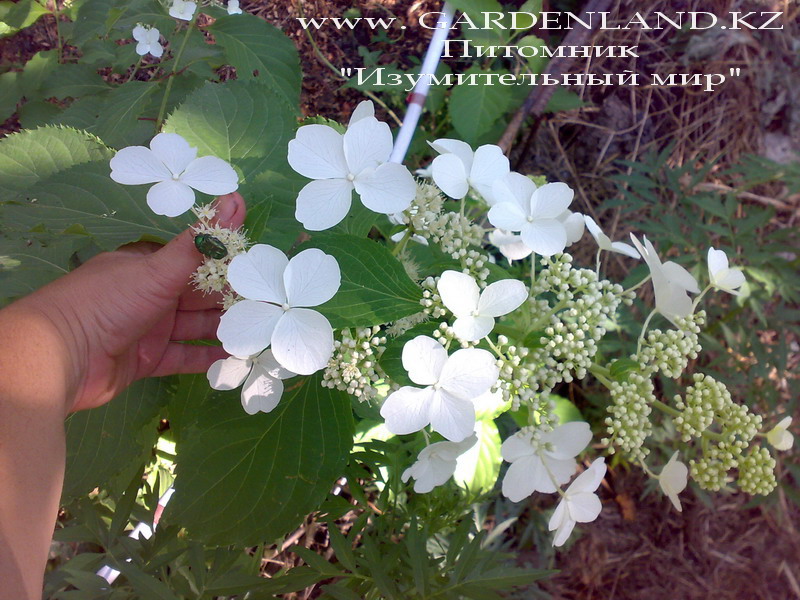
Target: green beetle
column 210, row 246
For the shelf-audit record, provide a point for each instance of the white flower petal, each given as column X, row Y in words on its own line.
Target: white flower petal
column 430, row 473
column 258, row 274
column 261, row 392
column 509, row 216
column 550, row 200
column 317, row 152
column 170, row 198
column 311, row 278
column 233, row 7
column 424, row 358
column 515, row 188
column 468, row 373
column 228, row 373
column 302, row 341
column 211, row 175
column 407, row 410
column 573, row 224
column 626, row 249
column 488, row 165
column 459, row 292
column 140, row 33
column 246, row 327
column 584, row 507
column 266, row 361
column 717, row 261
column 730, row 280
column 462, row 150
column 174, row 151
column 518, row 445
column 590, row 479
column 672, row 300
column 564, row 525
column 524, row 477
column 546, row 236
column 367, row 144
column 388, row 189
column 364, row 109
column 562, row 470
column 452, row 416
column 156, row 49
column 473, row 328
column 603, row 241
column 142, row 48
column 568, row 440
column 673, row 480
column 136, row 165
column 502, row 297
column 449, row 173
column 680, row 276
column 323, row 203
column 510, row 244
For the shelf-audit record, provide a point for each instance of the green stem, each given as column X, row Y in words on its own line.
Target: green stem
column 673, row 412
column 163, row 109
column 637, row 286
column 403, row 242
column 644, row 330
column 601, row 374
column 533, row 271
column 135, row 68
column 597, row 264
column 700, row 297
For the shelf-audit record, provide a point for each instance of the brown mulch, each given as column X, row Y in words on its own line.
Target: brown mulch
column 639, row 548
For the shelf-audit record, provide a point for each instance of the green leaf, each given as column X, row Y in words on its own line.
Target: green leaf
column 30, row 156
column 103, row 441
column 73, row 80
column 36, row 72
column 475, row 108
column 620, row 368
column 375, row 287
column 23, row 14
column 85, row 195
column 260, row 52
column 38, row 113
column 247, row 478
column 9, row 94
column 245, row 124
column 270, row 209
column 479, row 466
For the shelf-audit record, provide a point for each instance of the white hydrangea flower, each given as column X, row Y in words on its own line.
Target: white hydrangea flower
column 539, row 463
column 261, row 376
column 534, row 212
column 722, row 277
column 275, row 311
column 671, row 282
column 780, row 437
column 452, row 383
column 458, row 168
column 673, row 479
column 233, row 7
column 436, row 464
column 172, row 164
column 182, row 10
column 580, row 504
column 148, row 41
column 475, row 310
column 604, row 242
column 339, row 164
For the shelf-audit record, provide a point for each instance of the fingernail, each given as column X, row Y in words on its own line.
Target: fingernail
column 226, row 207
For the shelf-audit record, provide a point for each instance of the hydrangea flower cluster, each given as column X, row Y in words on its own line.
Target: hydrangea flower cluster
column 508, row 341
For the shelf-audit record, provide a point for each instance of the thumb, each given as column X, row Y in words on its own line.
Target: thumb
column 172, row 265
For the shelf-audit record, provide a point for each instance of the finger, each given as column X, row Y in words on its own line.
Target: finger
column 195, row 325
column 193, row 299
column 172, row 265
column 187, row 358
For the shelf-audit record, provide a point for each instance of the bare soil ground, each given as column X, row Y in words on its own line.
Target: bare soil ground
column 640, row 548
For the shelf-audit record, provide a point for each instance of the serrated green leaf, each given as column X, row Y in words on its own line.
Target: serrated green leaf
column 112, row 214
column 30, row 156
column 270, row 209
column 271, row 469
column 245, row 124
column 102, row 441
column 475, row 108
column 260, row 52
column 375, row 288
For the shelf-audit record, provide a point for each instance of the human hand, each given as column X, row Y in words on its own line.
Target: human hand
column 123, row 315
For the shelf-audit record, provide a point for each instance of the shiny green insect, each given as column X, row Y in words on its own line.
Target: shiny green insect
column 210, row 246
